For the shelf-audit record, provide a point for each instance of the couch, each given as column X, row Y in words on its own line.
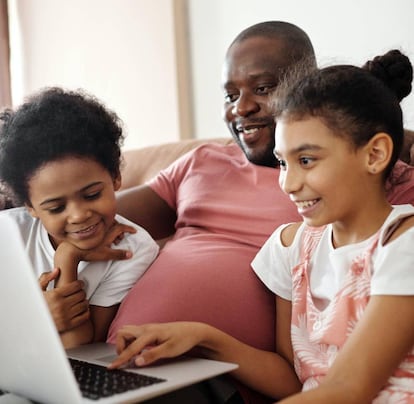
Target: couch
column 141, row 164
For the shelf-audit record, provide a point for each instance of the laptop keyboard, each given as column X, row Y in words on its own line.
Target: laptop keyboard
column 97, row 381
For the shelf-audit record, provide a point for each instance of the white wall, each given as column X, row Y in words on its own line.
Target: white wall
column 122, row 51
column 348, row 31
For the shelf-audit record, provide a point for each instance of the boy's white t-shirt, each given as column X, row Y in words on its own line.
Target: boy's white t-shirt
column 106, row 282
column 393, row 262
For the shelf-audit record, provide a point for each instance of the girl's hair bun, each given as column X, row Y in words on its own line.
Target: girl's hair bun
column 395, row 70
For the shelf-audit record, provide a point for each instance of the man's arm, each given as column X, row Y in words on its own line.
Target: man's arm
column 101, row 319
column 143, row 206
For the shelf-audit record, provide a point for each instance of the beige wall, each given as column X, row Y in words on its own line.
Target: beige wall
column 123, row 51
column 157, row 63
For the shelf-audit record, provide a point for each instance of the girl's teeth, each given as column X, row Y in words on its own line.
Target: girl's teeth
column 305, row 204
column 86, row 230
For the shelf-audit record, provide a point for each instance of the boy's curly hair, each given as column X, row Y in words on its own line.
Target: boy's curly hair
column 54, row 124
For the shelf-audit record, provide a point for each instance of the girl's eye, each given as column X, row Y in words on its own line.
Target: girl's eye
column 305, row 161
column 93, row 196
column 56, row 210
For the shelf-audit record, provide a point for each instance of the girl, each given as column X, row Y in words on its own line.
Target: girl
column 343, row 278
column 60, row 155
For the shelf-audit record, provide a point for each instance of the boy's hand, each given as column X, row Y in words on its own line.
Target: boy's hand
column 67, row 303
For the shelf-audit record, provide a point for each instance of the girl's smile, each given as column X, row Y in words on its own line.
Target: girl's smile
column 327, row 178
column 305, row 208
column 87, row 232
column 74, row 199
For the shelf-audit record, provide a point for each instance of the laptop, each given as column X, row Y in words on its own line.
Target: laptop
column 34, row 365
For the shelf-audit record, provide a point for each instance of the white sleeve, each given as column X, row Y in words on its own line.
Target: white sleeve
column 274, row 262
column 122, row 275
column 394, row 266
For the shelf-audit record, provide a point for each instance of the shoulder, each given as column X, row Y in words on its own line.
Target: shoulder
column 288, row 233
column 31, row 230
column 124, row 220
column 137, row 241
column 405, row 224
column 210, row 159
column 202, row 156
column 217, row 149
column 19, row 215
column 399, row 222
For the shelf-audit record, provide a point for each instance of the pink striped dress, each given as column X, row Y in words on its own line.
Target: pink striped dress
column 318, row 335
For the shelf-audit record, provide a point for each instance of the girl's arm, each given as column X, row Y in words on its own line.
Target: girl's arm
column 380, row 341
column 268, row 372
column 67, row 304
column 67, row 258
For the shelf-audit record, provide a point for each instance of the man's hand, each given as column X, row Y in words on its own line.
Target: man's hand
column 67, row 304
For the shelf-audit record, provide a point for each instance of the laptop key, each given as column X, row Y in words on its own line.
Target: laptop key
column 97, row 381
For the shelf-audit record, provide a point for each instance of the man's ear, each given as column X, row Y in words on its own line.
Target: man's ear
column 379, row 152
column 31, row 211
column 117, row 182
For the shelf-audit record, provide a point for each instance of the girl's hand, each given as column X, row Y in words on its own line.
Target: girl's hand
column 150, row 342
column 67, row 255
column 105, row 252
column 67, row 304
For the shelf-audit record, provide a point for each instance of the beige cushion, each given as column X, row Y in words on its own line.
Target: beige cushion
column 142, row 164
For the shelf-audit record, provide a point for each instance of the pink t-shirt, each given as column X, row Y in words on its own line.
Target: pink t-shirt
column 401, row 189
column 227, row 208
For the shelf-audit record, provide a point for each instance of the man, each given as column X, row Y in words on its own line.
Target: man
column 221, row 203
column 221, row 207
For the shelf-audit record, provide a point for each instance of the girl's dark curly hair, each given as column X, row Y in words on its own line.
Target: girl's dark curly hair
column 352, row 101
column 54, row 124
